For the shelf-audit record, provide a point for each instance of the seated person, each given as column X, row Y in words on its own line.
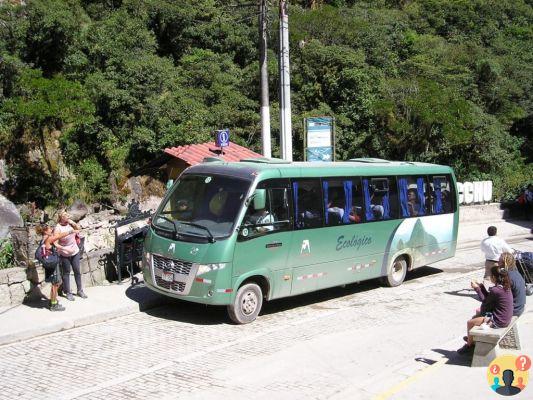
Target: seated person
column 378, row 210
column 259, row 217
column 184, row 210
column 412, row 202
column 355, row 215
column 336, row 213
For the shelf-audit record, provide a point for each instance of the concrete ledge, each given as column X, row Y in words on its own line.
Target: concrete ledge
column 482, row 212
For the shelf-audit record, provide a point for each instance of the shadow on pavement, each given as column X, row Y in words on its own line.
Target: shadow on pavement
column 421, row 272
column 177, row 310
column 172, row 309
column 461, row 293
column 454, row 358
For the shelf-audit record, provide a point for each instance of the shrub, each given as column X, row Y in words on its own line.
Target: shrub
column 7, row 257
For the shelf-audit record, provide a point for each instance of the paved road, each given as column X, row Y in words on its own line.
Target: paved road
column 360, row 341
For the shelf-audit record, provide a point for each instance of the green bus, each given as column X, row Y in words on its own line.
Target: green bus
column 237, row 234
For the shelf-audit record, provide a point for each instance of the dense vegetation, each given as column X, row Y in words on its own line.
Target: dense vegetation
column 92, row 89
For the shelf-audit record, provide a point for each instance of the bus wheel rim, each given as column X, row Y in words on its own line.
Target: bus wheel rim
column 249, row 303
column 397, row 271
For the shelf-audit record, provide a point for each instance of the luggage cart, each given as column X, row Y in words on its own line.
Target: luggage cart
column 129, row 239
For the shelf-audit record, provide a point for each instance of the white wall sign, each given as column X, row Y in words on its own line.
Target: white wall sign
column 474, row 192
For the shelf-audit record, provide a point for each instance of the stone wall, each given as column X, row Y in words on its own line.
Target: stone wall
column 19, row 285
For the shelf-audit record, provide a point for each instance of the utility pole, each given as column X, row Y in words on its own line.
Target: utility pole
column 265, row 107
column 285, row 83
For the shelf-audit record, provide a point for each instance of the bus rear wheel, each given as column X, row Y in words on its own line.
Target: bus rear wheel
column 247, row 304
column 396, row 274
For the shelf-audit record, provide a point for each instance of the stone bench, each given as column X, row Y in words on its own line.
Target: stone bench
column 491, row 342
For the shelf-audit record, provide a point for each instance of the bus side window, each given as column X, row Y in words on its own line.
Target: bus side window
column 442, row 195
column 357, row 206
column 377, row 193
column 273, row 217
column 334, row 202
column 412, row 193
column 307, row 204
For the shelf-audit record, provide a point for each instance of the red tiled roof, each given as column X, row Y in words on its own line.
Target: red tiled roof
column 195, row 153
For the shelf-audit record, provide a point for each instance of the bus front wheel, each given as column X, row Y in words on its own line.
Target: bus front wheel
column 247, row 304
column 396, row 273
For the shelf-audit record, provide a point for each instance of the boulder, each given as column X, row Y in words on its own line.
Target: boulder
column 78, row 210
column 151, row 203
column 9, row 216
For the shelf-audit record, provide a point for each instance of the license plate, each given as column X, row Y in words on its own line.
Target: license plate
column 167, row 276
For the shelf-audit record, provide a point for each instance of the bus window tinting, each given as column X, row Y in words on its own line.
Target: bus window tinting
column 414, row 196
column 441, row 194
column 307, row 204
column 379, row 196
column 343, row 201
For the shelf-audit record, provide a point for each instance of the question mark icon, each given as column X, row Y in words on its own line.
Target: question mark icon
column 523, row 363
column 495, row 369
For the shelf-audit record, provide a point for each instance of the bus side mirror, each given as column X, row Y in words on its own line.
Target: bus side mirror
column 259, row 199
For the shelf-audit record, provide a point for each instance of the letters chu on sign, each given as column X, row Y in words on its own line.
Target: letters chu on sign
column 474, row 192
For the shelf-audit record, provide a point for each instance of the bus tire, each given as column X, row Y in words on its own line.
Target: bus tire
column 247, row 304
column 396, row 274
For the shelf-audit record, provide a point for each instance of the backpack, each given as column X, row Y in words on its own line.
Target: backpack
column 49, row 261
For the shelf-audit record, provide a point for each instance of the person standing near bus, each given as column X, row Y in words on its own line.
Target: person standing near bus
column 493, row 247
column 51, row 275
column 69, row 255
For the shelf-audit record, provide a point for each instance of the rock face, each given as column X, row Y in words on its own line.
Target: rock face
column 3, row 174
column 78, row 210
column 9, row 216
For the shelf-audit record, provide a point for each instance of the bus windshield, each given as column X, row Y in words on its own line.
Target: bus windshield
column 203, row 205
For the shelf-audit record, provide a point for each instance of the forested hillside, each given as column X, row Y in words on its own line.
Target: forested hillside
column 92, row 89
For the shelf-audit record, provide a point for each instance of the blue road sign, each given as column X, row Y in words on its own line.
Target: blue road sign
column 222, row 138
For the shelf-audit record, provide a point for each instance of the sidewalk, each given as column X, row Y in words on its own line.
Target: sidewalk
column 105, row 302
column 26, row 321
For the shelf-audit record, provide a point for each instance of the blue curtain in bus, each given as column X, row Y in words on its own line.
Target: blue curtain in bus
column 325, row 187
column 438, row 195
column 402, row 183
column 368, row 208
column 347, row 201
column 386, row 206
column 297, row 221
column 421, row 196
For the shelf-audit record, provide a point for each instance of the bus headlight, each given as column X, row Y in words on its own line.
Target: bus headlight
column 205, row 268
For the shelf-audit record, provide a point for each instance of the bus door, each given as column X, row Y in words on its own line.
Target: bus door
column 265, row 236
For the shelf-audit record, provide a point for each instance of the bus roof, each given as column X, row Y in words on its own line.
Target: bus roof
column 268, row 168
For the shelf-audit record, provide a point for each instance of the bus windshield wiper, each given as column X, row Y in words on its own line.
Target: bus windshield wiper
column 211, row 237
column 168, row 220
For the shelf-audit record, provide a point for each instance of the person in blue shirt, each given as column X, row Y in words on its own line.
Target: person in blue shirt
column 518, row 284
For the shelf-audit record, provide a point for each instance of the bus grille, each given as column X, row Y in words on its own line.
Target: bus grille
column 182, row 274
column 173, row 286
column 170, row 265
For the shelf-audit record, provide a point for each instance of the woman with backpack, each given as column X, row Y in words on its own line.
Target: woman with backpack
column 69, row 254
column 46, row 253
column 496, row 305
